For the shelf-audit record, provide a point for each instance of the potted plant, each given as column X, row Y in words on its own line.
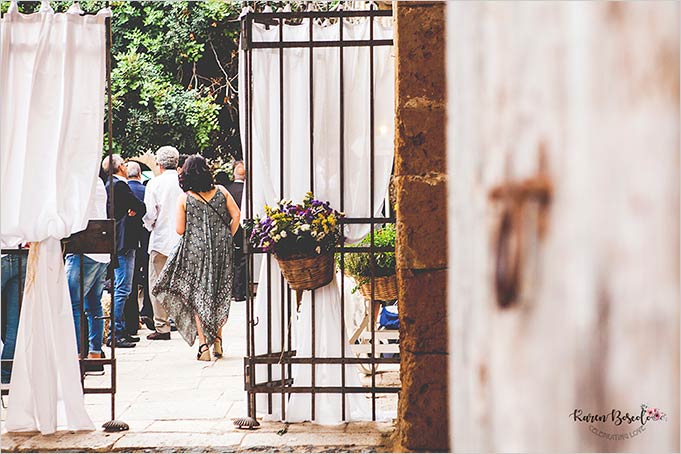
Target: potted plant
column 359, row 266
column 302, row 237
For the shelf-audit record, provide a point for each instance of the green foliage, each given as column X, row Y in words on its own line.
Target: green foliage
column 220, row 164
column 358, row 264
column 174, row 74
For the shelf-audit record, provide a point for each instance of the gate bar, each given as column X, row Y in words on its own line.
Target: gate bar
column 341, row 94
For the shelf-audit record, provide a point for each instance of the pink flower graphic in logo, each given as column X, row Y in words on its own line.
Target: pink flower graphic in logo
column 653, row 414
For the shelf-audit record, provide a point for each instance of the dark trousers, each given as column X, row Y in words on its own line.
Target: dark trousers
column 239, row 289
column 147, row 308
column 139, row 279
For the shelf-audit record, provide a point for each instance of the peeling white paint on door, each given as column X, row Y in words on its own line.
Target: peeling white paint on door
column 595, row 326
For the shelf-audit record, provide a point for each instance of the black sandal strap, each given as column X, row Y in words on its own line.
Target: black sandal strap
column 203, row 345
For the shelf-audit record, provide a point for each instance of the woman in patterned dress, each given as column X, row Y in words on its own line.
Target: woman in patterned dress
column 195, row 285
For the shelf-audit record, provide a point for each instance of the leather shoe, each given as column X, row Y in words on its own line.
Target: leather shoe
column 131, row 338
column 158, row 336
column 148, row 322
column 122, row 343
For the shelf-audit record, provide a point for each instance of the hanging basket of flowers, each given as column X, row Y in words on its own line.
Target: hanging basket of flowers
column 307, row 273
column 302, row 237
column 385, row 289
column 359, row 265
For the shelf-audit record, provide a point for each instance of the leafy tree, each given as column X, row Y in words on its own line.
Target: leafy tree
column 174, row 74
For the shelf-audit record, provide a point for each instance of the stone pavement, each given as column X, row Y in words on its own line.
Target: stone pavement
column 174, row 403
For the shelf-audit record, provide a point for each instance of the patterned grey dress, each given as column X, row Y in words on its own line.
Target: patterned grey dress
column 198, row 276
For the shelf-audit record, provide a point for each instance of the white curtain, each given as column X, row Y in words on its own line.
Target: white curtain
column 52, row 82
column 266, row 165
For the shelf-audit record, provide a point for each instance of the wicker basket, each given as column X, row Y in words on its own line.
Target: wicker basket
column 385, row 288
column 308, row 273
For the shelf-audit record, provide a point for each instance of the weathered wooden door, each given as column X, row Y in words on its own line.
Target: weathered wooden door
column 564, row 225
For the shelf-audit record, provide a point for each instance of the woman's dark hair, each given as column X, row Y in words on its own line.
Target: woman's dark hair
column 196, row 175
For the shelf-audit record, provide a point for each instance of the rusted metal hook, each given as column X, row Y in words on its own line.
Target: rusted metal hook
column 507, row 273
column 509, row 244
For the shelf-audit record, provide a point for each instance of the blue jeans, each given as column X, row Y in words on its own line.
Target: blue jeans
column 94, row 275
column 122, row 287
column 13, row 278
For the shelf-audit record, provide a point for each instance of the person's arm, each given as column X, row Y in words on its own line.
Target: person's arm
column 233, row 209
column 149, row 219
column 128, row 199
column 181, row 214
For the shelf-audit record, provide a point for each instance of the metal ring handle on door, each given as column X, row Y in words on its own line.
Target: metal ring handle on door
column 507, row 268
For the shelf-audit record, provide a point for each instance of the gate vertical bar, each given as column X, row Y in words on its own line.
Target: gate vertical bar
column 249, row 368
column 341, row 94
column 282, row 369
column 314, row 318
column 110, row 211
column 282, row 167
column 282, row 284
column 250, row 322
column 112, row 425
column 373, row 212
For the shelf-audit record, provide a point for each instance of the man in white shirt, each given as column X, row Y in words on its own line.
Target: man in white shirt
column 161, row 201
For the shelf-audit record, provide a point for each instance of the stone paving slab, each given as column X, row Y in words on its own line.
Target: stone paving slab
column 338, row 441
column 10, row 442
column 324, row 439
column 154, row 440
column 184, row 435
column 68, row 441
column 370, row 427
column 174, row 403
column 306, row 427
column 174, row 410
column 208, row 426
column 261, row 440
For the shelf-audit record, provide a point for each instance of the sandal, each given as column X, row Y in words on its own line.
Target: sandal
column 203, row 355
column 217, row 347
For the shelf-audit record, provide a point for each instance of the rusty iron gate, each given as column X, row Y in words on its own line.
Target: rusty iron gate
column 284, row 359
column 98, row 238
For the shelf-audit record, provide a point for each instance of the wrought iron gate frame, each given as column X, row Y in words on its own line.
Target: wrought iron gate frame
column 98, row 237
column 286, row 358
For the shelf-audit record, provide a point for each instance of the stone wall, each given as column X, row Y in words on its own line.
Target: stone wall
column 420, row 183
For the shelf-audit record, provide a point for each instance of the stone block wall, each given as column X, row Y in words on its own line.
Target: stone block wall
column 420, row 186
